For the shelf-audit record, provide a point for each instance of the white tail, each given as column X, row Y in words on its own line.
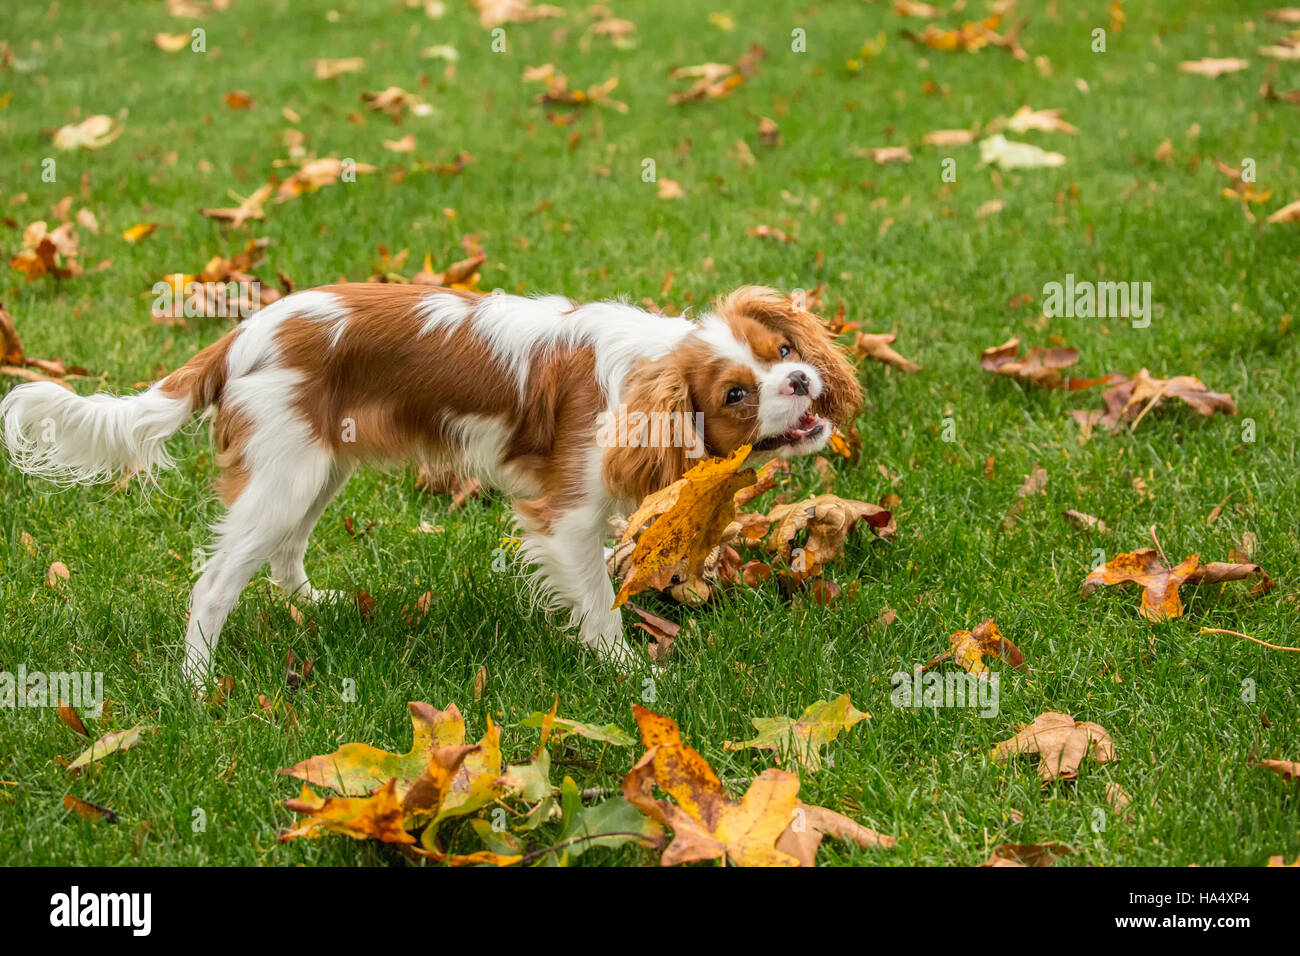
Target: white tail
column 57, row 434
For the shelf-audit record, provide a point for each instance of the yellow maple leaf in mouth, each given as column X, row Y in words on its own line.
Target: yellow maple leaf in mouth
column 689, row 517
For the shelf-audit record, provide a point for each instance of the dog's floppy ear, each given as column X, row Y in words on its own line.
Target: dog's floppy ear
column 841, row 399
column 643, row 455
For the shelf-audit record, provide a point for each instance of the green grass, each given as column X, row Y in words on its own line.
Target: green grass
column 1171, row 697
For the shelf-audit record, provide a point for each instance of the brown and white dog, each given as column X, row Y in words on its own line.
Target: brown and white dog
column 576, row 410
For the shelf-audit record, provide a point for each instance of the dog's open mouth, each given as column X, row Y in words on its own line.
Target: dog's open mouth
column 808, row 427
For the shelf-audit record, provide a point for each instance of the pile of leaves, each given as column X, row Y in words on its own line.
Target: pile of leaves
column 683, row 539
column 416, row 801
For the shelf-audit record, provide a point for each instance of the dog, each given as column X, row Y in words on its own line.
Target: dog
column 530, row 395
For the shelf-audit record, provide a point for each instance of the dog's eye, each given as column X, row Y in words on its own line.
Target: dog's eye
column 785, row 350
column 736, row 396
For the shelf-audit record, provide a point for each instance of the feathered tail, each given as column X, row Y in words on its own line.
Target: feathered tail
column 52, row 432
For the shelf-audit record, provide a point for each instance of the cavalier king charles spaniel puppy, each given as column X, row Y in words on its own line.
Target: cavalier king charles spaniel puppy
column 577, row 411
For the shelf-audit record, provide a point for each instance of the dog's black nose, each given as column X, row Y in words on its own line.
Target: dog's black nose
column 799, row 382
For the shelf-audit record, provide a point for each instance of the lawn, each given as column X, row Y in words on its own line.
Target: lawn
column 565, row 208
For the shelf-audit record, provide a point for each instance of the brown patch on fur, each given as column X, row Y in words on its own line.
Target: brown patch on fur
column 554, row 434
column 403, row 392
column 399, row 390
column 656, row 387
column 231, row 430
column 202, row 377
column 841, row 398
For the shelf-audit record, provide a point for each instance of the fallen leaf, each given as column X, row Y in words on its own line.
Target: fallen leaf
column 110, row 743
column 379, row 816
column 999, row 151
column 1027, row 854
column 683, row 534
column 1061, row 744
column 493, row 13
column 1213, row 67
column 706, row 823
column 804, row 834
column 969, row 648
column 92, row 812
column 56, row 574
column 1039, row 366
column 404, row 145
column 138, row 232
column 94, row 132
column 877, row 347
column 715, row 80
column 949, row 137
column 801, row 739
column 611, row 734
column 326, row 69
column 1131, row 400
column 670, row 189
column 1289, row 769
column 1288, row 213
column 171, row 42
column 828, row 520
column 72, row 719
column 357, row 768
column 1084, row 522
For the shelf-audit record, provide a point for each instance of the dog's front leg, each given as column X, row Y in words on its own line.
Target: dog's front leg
column 571, row 573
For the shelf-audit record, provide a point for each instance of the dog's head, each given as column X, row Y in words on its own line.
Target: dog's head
column 757, row 371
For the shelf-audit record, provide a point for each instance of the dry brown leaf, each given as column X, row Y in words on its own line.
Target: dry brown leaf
column 877, row 346
column 1061, row 744
column 949, row 137
column 326, row 69
column 1027, row 854
column 1288, row 213
column 1289, row 769
column 715, row 80
column 674, row 548
column 1212, row 66
column 493, row 13
column 1131, row 400
column 1039, row 366
column 1084, row 522
column 804, row 834
column 828, row 520
column 1160, row 584
column 969, row 648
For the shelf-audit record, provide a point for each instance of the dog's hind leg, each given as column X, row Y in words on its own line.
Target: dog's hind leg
column 287, row 569
column 269, row 509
